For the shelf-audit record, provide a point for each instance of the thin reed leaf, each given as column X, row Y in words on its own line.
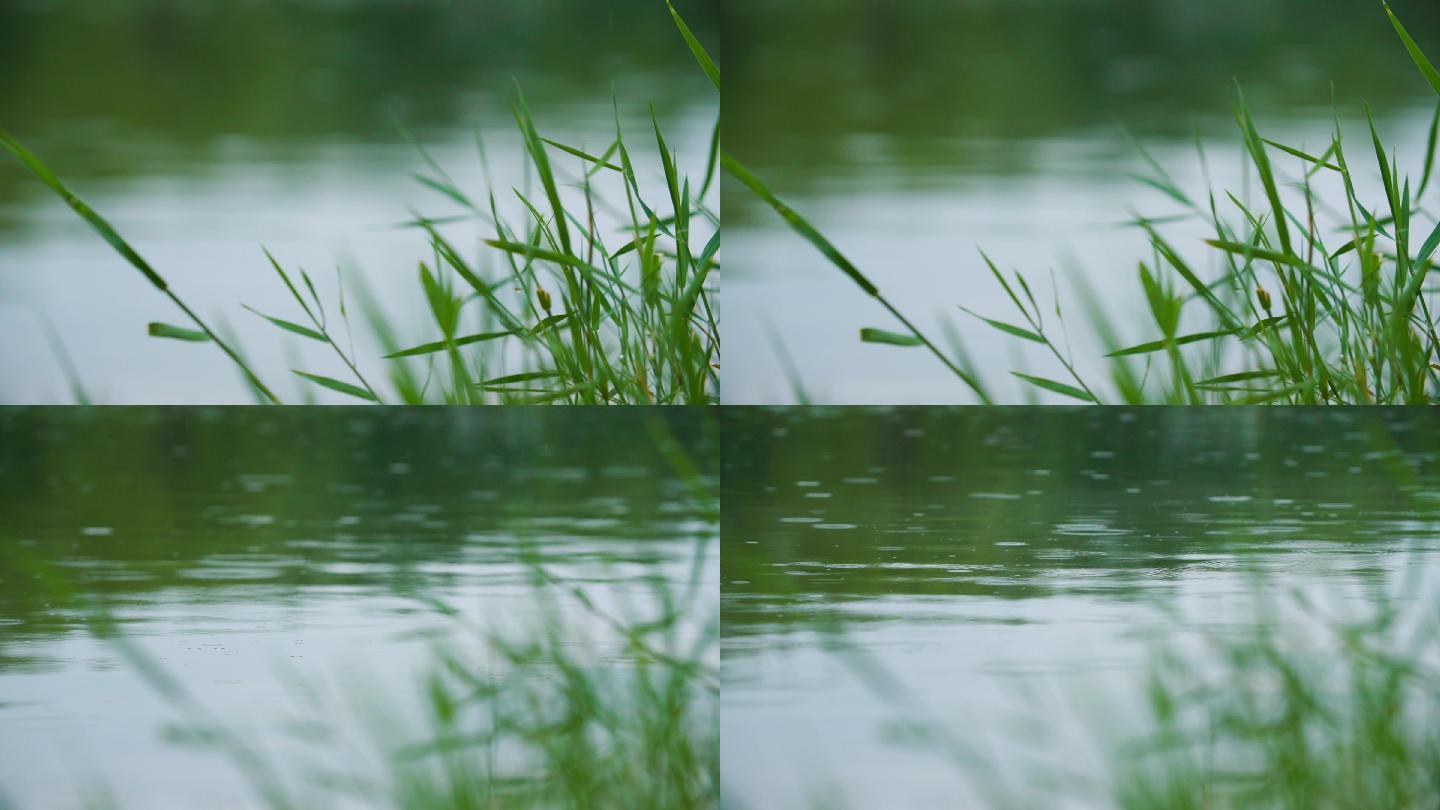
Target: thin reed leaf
column 528, row 376
column 1427, row 69
column 701, row 56
column 798, row 223
column 165, row 330
column 338, row 385
column 1290, row 150
column 1158, row 345
column 289, row 326
column 1055, row 386
column 872, row 335
column 1009, row 329
column 600, row 162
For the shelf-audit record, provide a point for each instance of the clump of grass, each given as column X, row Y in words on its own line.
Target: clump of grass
column 1304, row 704
column 565, row 314
column 1319, row 712
column 1292, row 312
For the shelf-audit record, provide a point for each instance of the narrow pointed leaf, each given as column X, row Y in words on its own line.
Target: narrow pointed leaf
column 101, row 226
column 1243, row 376
column 870, row 335
column 1010, row 329
column 706, row 63
column 1426, row 67
column 165, row 330
column 1303, row 156
column 516, row 378
column 290, row 326
column 797, row 223
column 337, row 385
column 441, row 345
column 1157, row 345
column 583, row 155
column 1056, row 387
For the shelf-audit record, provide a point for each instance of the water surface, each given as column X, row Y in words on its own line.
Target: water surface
column 1008, row 571
column 264, row 558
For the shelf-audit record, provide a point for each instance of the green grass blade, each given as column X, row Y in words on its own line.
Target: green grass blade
column 1302, row 155
column 1056, row 387
column 113, row 238
column 337, row 385
column 101, row 226
column 712, row 160
column 1255, row 252
column 482, row 337
column 165, row 330
column 1243, row 376
column 515, row 378
column 600, row 162
column 1428, row 248
column 441, row 345
column 1201, row 289
column 1157, row 345
column 529, row 251
column 536, row 148
column 1426, row 68
column 290, row 326
column 871, row 335
column 798, row 223
column 1431, row 142
column 1008, row 328
column 706, row 63
column 444, row 189
column 1256, row 147
column 1413, row 284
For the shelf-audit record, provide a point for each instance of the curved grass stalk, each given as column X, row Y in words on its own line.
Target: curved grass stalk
column 109, row 234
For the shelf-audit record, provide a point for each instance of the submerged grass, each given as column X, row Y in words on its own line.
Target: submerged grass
column 1306, row 301
column 556, row 312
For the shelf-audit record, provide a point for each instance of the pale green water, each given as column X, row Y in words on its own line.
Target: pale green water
column 252, row 552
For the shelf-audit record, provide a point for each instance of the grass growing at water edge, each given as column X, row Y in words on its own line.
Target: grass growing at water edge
column 554, row 310
column 1307, row 300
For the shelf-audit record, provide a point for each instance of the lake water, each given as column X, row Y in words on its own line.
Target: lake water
column 1009, row 571
column 912, row 134
column 265, row 558
column 203, row 131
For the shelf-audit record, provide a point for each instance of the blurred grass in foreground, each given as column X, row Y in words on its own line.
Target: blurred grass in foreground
column 591, row 704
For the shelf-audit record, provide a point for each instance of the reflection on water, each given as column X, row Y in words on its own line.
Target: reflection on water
column 911, row 133
column 205, row 130
column 985, row 556
column 250, row 551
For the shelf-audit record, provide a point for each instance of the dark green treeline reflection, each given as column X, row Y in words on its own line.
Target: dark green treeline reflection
column 200, row 76
column 947, row 84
